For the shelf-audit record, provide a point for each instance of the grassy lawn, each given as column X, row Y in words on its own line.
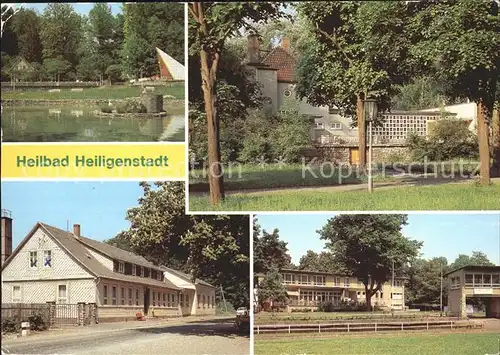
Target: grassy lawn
column 266, row 318
column 103, row 92
column 247, row 177
column 466, row 196
column 410, row 344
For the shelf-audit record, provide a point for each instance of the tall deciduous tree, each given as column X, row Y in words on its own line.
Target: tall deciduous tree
column 213, row 248
column 477, row 258
column 424, row 281
column 358, row 49
column 457, row 41
column 61, row 32
column 369, row 246
column 26, row 25
column 271, row 288
column 212, row 24
column 322, row 262
column 269, row 251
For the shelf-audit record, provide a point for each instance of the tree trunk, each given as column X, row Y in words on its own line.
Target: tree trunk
column 360, row 115
column 495, row 142
column 368, row 297
column 215, row 178
column 483, row 137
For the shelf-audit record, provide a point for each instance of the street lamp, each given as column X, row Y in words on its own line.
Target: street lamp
column 371, row 109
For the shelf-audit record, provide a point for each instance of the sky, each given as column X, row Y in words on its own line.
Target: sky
column 445, row 235
column 99, row 207
column 82, row 8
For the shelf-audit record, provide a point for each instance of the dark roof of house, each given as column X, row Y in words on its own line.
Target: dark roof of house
column 78, row 251
column 492, row 268
column 185, row 276
column 280, row 59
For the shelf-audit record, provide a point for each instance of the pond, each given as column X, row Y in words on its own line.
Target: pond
column 80, row 124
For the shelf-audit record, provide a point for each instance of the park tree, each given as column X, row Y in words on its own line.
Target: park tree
column 457, row 43
column 478, row 258
column 55, row 67
column 26, row 25
column 322, row 262
column 272, row 288
column 369, row 246
column 212, row 24
column 270, row 251
column 424, row 281
column 61, row 33
column 358, row 50
column 102, row 29
column 146, row 26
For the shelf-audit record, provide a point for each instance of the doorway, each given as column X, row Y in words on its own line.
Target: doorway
column 146, row 300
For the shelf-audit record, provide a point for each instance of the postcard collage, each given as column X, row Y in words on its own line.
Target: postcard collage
column 316, row 177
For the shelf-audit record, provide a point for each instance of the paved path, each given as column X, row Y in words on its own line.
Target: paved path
column 216, row 336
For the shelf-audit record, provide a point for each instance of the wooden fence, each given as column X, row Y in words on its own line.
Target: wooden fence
column 53, row 314
column 348, row 327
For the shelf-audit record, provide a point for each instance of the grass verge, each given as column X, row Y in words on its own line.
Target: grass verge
column 464, row 196
column 387, row 344
column 104, row 92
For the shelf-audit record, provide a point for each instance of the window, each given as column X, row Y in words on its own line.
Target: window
column 495, row 278
column 113, row 295
column 33, row 259
column 122, row 294
column 346, row 281
column 154, row 298
column 319, row 125
column 47, row 258
column 136, row 297
column 381, row 295
column 469, row 278
column 159, row 275
column 130, row 297
column 164, row 300
column 199, row 301
column 142, row 271
column 16, row 293
column 287, row 93
column 105, row 294
column 181, row 300
column 187, row 300
column 121, row 267
column 203, row 301
column 336, row 126
column 61, row 294
column 134, row 270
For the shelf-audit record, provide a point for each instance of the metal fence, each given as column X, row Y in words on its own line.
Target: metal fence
column 365, row 327
column 66, row 314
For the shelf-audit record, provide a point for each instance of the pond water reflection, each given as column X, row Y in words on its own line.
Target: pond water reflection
column 80, row 124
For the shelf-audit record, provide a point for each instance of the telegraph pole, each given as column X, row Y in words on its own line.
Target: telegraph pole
column 441, row 293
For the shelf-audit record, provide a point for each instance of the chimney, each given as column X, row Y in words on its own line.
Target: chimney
column 253, row 49
column 285, row 43
column 76, row 230
column 6, row 235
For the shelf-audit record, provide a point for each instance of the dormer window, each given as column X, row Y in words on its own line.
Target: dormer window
column 134, row 270
column 121, row 267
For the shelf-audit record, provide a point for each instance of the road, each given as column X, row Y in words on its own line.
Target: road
column 196, row 337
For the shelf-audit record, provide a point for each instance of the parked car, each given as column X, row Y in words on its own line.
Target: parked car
column 242, row 311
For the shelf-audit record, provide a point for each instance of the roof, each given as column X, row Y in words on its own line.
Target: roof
column 175, row 68
column 298, row 271
column 492, row 268
column 76, row 249
column 280, row 59
column 185, row 276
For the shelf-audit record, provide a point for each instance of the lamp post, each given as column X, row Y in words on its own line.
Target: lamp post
column 371, row 109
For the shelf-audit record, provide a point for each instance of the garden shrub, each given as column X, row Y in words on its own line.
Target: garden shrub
column 10, row 325
column 106, row 109
column 37, row 322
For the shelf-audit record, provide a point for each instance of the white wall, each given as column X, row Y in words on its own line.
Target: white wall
column 107, row 262
column 269, row 80
column 63, row 266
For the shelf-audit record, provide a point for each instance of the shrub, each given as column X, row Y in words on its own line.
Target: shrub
column 106, row 109
column 10, row 325
column 131, row 106
column 37, row 322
